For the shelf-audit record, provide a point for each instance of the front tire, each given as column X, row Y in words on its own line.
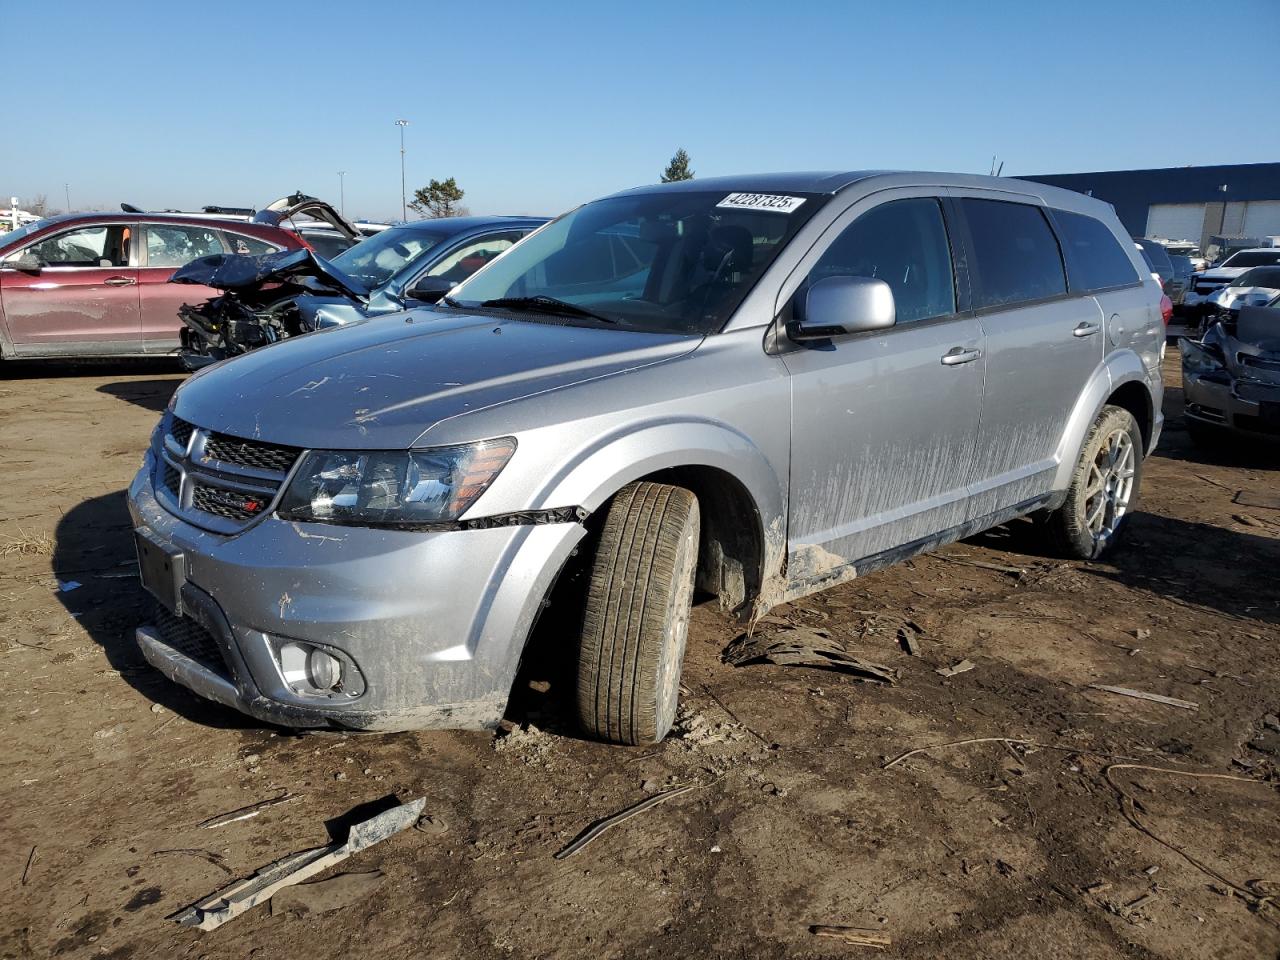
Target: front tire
column 1104, row 487
column 636, row 616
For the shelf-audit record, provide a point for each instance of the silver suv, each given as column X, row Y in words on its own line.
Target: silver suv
column 756, row 386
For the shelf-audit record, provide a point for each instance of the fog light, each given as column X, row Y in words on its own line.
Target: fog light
column 317, row 671
column 323, row 670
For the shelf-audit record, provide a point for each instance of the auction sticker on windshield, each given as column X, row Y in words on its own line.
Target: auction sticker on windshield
column 761, row 201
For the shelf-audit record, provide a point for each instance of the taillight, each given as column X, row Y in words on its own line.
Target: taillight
column 1166, row 309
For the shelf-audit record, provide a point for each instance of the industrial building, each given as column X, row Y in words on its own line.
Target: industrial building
column 1187, row 203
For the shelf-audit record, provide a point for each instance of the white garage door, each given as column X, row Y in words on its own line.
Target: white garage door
column 1175, row 221
column 1262, row 218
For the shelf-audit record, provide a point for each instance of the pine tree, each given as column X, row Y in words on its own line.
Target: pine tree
column 678, row 168
column 439, row 198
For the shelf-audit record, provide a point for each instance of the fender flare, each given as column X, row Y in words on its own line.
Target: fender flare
column 598, row 470
column 1121, row 367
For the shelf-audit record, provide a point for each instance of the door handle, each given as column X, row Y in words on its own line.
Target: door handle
column 1086, row 329
column 119, row 281
column 958, row 355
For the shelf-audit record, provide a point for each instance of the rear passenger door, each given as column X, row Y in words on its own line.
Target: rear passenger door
column 884, row 422
column 1043, row 343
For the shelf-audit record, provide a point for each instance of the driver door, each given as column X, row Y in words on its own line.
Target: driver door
column 884, row 423
column 84, row 299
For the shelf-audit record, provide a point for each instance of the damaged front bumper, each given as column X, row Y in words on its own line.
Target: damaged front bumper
column 1218, row 400
column 429, row 626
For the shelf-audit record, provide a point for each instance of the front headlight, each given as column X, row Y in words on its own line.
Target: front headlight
column 1196, row 359
column 393, row 488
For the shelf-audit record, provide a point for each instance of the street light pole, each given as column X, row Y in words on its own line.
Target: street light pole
column 404, row 211
column 342, row 193
column 67, row 187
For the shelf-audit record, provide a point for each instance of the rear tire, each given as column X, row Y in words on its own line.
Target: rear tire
column 1104, row 488
column 636, row 617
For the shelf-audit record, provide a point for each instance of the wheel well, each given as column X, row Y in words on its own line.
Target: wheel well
column 1134, row 397
column 731, row 555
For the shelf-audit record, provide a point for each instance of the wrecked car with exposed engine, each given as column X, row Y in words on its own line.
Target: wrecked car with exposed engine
column 269, row 298
column 1231, row 376
column 755, row 387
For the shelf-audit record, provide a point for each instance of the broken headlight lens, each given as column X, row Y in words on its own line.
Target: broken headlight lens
column 1197, row 359
column 393, row 488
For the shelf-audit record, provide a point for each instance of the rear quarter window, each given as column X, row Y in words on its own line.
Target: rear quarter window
column 1095, row 259
column 1014, row 251
column 239, row 243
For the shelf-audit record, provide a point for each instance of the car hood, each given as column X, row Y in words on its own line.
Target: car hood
column 380, row 384
column 243, row 273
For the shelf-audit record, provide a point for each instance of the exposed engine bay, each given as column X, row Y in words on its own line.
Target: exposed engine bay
column 265, row 299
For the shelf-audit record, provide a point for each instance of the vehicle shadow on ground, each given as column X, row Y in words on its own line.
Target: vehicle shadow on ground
column 94, row 547
column 1198, row 563
column 48, row 369
column 149, row 394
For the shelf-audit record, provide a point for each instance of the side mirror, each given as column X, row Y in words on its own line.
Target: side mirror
column 429, row 289
column 836, row 306
column 26, row 263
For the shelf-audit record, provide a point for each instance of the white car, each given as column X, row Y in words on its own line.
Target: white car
column 1205, row 285
column 1253, row 288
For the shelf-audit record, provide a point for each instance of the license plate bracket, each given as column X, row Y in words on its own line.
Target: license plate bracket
column 162, row 569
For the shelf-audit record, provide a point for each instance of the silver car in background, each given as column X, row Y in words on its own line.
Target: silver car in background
column 758, row 386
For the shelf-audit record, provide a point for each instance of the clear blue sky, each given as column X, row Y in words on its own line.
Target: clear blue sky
column 538, row 106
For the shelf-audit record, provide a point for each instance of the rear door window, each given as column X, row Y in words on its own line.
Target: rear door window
column 250, row 246
column 1095, row 259
column 174, row 245
column 904, row 243
column 1015, row 255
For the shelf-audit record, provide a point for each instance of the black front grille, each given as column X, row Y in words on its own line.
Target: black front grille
column 191, row 640
column 180, row 430
column 226, row 503
column 250, row 453
column 172, row 479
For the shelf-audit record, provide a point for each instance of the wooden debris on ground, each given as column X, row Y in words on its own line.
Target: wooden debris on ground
column 964, row 666
column 804, row 647
column 1250, row 498
column 231, row 901
column 244, row 813
column 984, row 564
column 1143, row 695
column 607, row 823
column 854, row 936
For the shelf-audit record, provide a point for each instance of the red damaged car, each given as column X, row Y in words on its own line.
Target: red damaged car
column 96, row 284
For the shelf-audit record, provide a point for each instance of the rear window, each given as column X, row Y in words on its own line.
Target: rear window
column 1158, row 256
column 1095, row 259
column 1015, row 254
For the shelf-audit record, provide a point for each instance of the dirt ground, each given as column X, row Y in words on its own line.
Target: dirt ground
column 1049, row 844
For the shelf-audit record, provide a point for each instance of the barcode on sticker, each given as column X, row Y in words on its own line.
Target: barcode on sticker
column 760, row 201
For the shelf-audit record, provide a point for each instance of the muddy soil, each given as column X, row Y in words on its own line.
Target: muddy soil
column 1089, row 831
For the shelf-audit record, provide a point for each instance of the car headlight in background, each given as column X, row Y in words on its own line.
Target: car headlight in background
column 393, row 488
column 1196, row 359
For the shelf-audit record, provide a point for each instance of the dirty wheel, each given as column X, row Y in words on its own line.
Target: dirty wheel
column 1104, row 488
column 636, row 616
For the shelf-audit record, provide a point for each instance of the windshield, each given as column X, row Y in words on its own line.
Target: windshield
column 378, row 259
column 1259, row 277
column 672, row 261
column 15, row 235
column 1253, row 258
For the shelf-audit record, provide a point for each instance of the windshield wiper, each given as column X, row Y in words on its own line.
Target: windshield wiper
column 448, row 301
column 545, row 304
